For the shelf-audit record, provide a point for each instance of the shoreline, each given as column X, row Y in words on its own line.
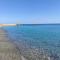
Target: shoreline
column 32, row 53
column 8, row 50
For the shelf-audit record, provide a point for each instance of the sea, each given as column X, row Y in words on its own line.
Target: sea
column 44, row 37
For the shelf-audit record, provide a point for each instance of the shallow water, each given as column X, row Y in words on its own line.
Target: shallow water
column 46, row 37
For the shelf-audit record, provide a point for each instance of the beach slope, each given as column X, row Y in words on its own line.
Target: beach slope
column 8, row 50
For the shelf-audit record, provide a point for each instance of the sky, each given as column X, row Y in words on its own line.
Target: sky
column 30, row 11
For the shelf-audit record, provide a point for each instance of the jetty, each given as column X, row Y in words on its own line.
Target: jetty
column 8, row 50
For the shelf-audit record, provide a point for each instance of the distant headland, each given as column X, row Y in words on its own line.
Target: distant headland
column 2, row 25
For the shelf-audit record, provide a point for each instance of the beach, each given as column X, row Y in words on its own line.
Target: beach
column 8, row 50
column 30, row 42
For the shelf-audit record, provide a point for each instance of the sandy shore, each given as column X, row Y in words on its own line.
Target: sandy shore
column 8, row 51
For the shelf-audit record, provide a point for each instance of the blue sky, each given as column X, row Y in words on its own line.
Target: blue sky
column 30, row 11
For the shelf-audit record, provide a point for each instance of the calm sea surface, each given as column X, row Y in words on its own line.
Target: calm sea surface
column 37, row 36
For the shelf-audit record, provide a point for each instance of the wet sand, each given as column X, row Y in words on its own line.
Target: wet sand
column 8, row 50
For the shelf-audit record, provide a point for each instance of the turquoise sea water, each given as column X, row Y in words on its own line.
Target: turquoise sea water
column 37, row 36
